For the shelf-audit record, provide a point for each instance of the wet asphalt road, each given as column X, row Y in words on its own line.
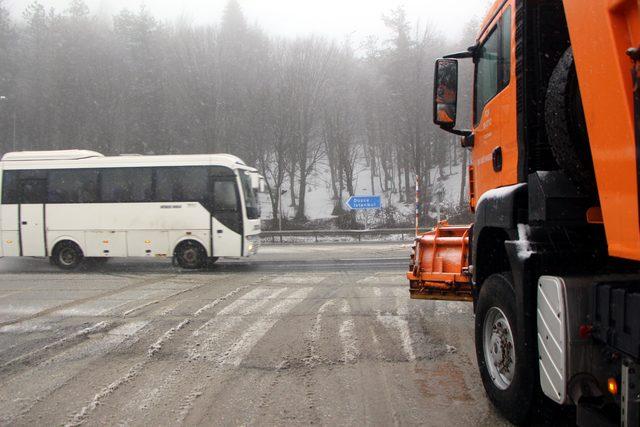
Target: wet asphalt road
column 305, row 334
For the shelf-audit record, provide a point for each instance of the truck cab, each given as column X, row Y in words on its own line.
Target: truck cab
column 552, row 260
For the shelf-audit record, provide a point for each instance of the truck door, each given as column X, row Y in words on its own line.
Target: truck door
column 495, row 152
column 226, row 221
column 32, row 225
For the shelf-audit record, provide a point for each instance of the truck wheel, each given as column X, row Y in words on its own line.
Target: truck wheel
column 504, row 366
column 67, row 255
column 566, row 126
column 191, row 255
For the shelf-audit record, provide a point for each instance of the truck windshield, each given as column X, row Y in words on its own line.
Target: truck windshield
column 250, row 196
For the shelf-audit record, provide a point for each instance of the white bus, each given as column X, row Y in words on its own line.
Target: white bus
column 75, row 204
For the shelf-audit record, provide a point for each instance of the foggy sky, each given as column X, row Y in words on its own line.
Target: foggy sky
column 335, row 18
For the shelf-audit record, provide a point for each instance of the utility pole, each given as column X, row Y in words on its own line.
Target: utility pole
column 417, row 205
column 280, row 208
column 280, row 193
column 14, row 130
column 5, row 100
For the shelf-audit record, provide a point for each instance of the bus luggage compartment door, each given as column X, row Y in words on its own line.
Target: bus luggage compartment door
column 32, row 230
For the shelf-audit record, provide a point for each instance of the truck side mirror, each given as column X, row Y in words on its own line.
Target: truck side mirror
column 445, row 93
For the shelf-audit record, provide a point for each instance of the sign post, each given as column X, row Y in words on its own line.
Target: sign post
column 364, row 203
column 417, row 205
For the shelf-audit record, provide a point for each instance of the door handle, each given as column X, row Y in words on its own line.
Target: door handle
column 24, row 222
column 496, row 156
column 220, row 231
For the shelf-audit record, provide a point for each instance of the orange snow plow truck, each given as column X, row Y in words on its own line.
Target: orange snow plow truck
column 552, row 261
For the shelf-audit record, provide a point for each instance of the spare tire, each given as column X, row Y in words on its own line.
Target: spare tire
column 566, row 126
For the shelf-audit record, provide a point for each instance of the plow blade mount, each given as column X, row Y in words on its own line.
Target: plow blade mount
column 439, row 264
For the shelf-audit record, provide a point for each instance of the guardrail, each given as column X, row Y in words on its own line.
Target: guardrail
column 359, row 234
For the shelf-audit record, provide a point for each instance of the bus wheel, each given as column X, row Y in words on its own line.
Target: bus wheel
column 191, row 255
column 67, row 255
column 504, row 364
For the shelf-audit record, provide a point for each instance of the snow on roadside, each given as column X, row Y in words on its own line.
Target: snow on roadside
column 319, row 199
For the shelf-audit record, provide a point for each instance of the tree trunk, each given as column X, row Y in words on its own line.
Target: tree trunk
column 399, row 166
column 372, row 161
column 292, row 189
column 300, row 216
column 407, row 186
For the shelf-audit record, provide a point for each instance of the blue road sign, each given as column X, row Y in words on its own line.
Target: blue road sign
column 364, row 202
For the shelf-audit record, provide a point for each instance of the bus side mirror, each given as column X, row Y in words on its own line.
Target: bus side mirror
column 445, row 93
column 255, row 181
column 258, row 183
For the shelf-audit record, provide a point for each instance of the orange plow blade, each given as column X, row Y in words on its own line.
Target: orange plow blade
column 439, row 264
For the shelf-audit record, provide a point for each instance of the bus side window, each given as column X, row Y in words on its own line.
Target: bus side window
column 224, row 196
column 164, row 182
column 32, row 187
column 126, row 185
column 10, row 188
column 181, row 184
column 73, row 186
column 191, row 185
column 33, row 190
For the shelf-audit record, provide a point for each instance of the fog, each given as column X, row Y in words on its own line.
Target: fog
column 337, row 18
column 327, row 99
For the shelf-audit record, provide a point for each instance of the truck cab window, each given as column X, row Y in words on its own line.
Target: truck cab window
column 493, row 64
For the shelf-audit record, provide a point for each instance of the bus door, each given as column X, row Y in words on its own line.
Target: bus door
column 32, row 232
column 226, row 221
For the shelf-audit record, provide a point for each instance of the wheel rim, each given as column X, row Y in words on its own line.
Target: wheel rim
column 191, row 256
column 499, row 348
column 67, row 256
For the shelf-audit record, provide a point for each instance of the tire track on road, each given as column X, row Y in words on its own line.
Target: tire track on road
column 78, row 302
column 237, row 350
column 19, row 393
column 69, row 339
column 350, row 349
column 80, row 416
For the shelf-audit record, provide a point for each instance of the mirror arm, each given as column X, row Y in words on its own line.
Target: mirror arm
column 469, row 53
column 460, row 132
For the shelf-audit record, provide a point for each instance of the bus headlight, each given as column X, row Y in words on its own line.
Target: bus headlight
column 253, row 243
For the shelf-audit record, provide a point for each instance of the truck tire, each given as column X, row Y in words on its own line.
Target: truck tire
column 566, row 126
column 504, row 366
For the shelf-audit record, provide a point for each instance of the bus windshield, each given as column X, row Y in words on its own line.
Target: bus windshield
column 250, row 195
